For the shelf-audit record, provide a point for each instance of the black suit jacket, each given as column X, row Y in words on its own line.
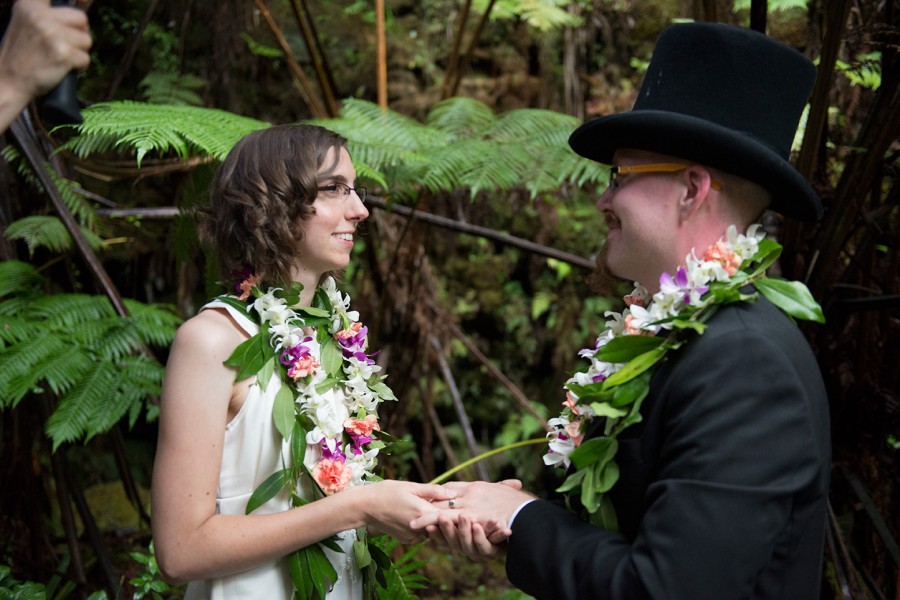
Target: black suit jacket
column 722, row 492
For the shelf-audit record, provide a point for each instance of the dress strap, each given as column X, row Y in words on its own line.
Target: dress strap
column 241, row 318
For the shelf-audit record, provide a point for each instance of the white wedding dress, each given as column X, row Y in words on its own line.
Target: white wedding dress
column 253, row 450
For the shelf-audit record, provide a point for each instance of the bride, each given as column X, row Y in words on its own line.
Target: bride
column 284, row 211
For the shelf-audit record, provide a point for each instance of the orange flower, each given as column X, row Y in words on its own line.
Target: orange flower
column 303, row 367
column 720, row 253
column 348, row 333
column 246, row 285
column 571, row 402
column 362, row 426
column 332, row 475
column 630, row 328
column 573, row 430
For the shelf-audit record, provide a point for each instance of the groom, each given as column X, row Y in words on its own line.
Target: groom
column 722, row 488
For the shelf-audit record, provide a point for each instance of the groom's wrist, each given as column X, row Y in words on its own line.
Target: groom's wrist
column 515, row 513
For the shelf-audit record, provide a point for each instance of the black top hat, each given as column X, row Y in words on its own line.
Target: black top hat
column 723, row 96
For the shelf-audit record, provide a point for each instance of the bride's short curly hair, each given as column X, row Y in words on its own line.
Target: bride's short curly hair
column 260, row 194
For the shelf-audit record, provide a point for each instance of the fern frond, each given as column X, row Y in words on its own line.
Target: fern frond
column 47, row 231
column 155, row 323
column 449, row 168
column 120, row 339
column 75, row 202
column 461, row 117
column 88, row 400
column 62, row 369
column 533, row 126
column 64, row 311
column 404, row 576
column 547, row 15
column 19, row 364
column 382, row 139
column 144, row 128
column 160, row 87
column 17, row 277
column 99, row 400
column 14, row 329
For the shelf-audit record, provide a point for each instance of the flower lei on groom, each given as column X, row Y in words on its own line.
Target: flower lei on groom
column 635, row 342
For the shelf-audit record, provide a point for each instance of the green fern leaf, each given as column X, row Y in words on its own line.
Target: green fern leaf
column 17, row 276
column 46, row 231
column 62, row 369
column 143, row 128
column 19, row 365
column 461, row 117
column 82, row 405
column 66, row 311
column 155, row 323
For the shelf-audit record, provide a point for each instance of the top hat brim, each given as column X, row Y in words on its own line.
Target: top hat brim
column 706, row 143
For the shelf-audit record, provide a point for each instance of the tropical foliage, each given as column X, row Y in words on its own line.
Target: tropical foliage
column 75, row 347
column 471, row 274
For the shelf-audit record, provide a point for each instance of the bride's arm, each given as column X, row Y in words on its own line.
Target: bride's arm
column 191, row 540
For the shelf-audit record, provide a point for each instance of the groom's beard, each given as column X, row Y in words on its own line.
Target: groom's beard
column 601, row 280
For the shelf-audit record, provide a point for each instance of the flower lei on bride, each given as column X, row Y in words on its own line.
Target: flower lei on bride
column 636, row 341
column 325, row 409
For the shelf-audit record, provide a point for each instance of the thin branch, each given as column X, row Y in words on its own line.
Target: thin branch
column 309, row 96
column 816, row 120
column 31, row 149
column 319, row 60
column 441, row 434
column 485, row 232
column 403, row 211
column 470, row 48
column 453, row 59
column 381, row 61
column 128, row 58
column 461, row 414
column 516, row 392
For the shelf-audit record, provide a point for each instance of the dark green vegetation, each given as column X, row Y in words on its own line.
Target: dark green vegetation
column 478, row 328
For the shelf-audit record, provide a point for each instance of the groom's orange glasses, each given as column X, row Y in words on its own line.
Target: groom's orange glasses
column 614, row 172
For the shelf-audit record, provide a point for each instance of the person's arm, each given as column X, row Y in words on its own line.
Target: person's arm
column 41, row 45
column 191, row 540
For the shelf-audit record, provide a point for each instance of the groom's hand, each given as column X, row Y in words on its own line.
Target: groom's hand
column 477, row 524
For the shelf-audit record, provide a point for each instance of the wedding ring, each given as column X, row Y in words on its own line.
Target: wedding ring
column 451, row 503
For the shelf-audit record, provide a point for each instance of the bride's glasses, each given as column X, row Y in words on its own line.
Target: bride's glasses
column 341, row 191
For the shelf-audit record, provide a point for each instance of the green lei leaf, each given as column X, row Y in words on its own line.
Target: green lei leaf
column 636, row 366
column 384, row 392
column 331, row 357
column 792, row 297
column 624, row 348
column 283, row 411
column 595, row 450
column 250, row 356
column 265, row 373
column 766, row 255
column 312, row 572
column 268, row 489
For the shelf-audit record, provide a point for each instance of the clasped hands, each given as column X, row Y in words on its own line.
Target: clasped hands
column 476, row 521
